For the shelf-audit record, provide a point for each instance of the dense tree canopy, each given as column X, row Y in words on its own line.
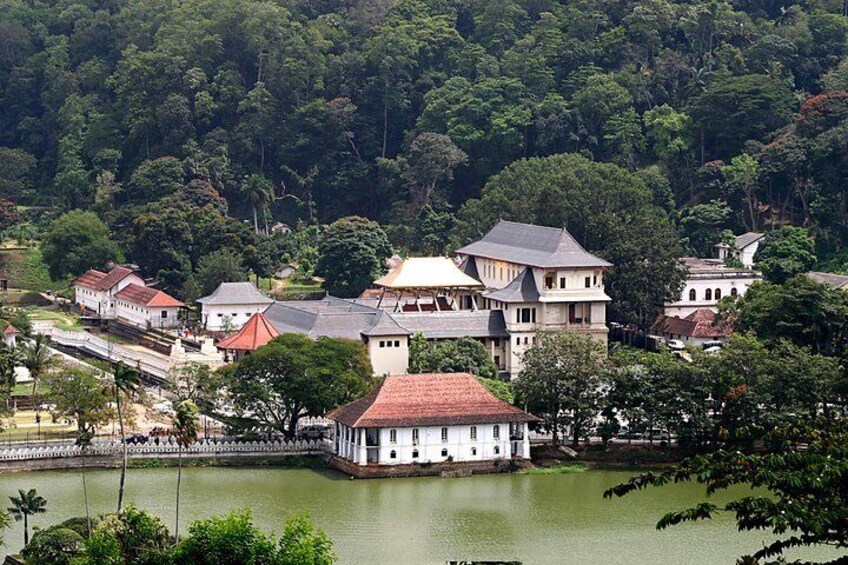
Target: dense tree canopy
column 76, row 242
column 177, row 122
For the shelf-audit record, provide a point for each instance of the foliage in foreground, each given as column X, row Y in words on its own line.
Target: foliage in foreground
column 803, row 468
column 135, row 537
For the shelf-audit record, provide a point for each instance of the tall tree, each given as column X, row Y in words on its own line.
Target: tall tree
column 260, row 194
column 562, row 380
column 186, row 426
column 38, row 358
column 78, row 241
column 126, row 382
column 352, row 253
column 785, row 253
column 26, row 504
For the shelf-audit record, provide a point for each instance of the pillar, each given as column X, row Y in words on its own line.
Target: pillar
column 525, row 441
column 363, row 449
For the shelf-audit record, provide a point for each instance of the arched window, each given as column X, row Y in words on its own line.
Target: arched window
column 444, row 453
column 497, row 450
column 393, row 454
column 733, row 292
column 708, row 294
column 718, row 294
column 415, row 454
column 496, row 432
column 692, row 295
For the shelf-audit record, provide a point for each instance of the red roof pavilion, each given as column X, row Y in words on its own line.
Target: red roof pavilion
column 254, row 334
column 436, row 399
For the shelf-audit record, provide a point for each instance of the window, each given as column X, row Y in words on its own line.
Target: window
column 534, row 340
column 234, row 314
column 549, row 282
column 393, row 454
column 496, row 431
column 525, row 315
column 595, row 280
column 497, row 342
column 164, row 314
column 473, row 451
column 220, row 315
column 444, row 435
column 444, row 452
column 733, row 292
column 415, row 454
column 497, row 449
column 473, row 433
column 518, row 341
column 708, row 294
column 693, row 296
column 414, row 436
column 397, row 343
column 718, row 294
column 497, row 361
column 588, row 282
column 526, row 341
column 382, row 344
column 562, row 282
column 392, row 436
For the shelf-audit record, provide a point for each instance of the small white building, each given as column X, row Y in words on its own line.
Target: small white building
column 429, row 418
column 94, row 291
column 744, row 248
column 146, row 307
column 709, row 281
column 231, row 305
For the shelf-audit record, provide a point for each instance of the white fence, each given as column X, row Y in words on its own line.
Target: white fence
column 168, row 450
column 147, row 362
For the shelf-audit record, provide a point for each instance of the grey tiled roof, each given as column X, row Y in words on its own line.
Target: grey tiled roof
column 521, row 289
column 331, row 317
column 831, row 279
column 746, row 239
column 537, row 246
column 385, row 324
column 235, row 293
column 454, row 324
column 469, row 267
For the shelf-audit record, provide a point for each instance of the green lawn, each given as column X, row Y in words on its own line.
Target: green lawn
column 27, row 270
column 61, row 320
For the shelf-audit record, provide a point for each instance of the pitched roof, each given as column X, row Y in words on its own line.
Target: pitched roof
column 454, row 324
column 333, row 317
column 146, row 296
column 469, row 266
column 11, row 330
column 427, row 272
column 831, row 279
column 746, row 239
column 700, row 323
column 385, row 324
column 428, row 400
column 536, row 246
column 254, row 334
column 100, row 281
column 235, row 293
column 522, row 289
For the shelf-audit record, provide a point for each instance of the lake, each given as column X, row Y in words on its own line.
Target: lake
column 537, row 519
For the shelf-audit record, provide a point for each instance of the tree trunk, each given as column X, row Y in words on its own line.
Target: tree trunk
column 255, row 220
column 179, row 480
column 385, row 115
column 124, row 454
column 85, row 495
column 26, row 530
column 575, row 441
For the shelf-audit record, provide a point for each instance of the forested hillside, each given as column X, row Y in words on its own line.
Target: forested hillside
column 189, row 126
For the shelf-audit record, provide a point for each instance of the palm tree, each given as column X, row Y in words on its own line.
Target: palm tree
column 83, row 441
column 38, row 358
column 126, row 382
column 5, row 522
column 186, row 429
column 10, row 357
column 260, row 192
column 25, row 505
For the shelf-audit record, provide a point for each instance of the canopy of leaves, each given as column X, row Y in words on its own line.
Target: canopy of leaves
column 78, row 241
column 352, row 253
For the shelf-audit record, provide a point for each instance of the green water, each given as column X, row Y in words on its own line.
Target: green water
column 538, row 519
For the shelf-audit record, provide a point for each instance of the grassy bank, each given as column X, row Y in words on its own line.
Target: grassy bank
column 563, row 469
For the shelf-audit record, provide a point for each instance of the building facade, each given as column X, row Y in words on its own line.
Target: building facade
column 94, row 291
column 542, row 280
column 708, row 281
column 430, row 418
column 744, row 247
column 231, row 305
column 146, row 307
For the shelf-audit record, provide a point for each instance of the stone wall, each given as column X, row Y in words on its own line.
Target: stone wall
column 444, row 468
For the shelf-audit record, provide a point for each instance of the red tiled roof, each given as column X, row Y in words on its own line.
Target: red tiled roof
column 89, row 279
column 11, row 330
column 700, row 323
column 98, row 280
column 428, row 400
column 146, row 296
column 254, row 334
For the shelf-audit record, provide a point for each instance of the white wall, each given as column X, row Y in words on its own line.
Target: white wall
column 102, row 302
column 239, row 314
column 389, row 354
column 685, row 306
column 144, row 317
